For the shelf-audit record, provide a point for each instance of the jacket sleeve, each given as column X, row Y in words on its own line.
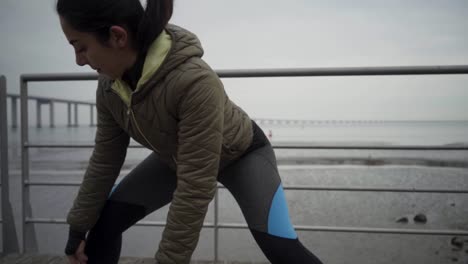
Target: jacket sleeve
column 109, row 153
column 201, row 118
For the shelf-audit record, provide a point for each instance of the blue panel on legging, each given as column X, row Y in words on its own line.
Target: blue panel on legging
column 113, row 189
column 279, row 223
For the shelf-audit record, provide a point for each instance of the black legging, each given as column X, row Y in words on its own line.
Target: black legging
column 254, row 182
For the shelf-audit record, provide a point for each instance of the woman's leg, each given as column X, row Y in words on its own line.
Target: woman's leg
column 148, row 187
column 255, row 184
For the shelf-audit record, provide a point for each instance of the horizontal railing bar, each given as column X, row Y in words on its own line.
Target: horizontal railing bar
column 63, row 221
column 374, row 147
column 364, row 189
column 285, row 147
column 31, row 220
column 47, row 183
column 344, row 71
column 69, row 146
column 55, row 100
column 297, row 228
column 363, row 230
column 297, row 72
column 51, row 77
column 294, row 188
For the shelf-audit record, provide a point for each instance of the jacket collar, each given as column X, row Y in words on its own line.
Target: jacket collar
column 174, row 47
column 157, row 53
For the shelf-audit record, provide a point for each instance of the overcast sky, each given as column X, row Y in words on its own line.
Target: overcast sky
column 248, row 34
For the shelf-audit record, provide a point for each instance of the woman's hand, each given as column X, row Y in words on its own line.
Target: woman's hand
column 79, row 257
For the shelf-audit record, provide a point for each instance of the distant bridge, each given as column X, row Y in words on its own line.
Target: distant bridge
column 289, row 122
column 40, row 101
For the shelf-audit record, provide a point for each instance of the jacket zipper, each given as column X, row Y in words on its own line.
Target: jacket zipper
column 130, row 111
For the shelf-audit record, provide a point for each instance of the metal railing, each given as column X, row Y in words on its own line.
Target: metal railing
column 6, row 221
column 368, row 71
column 3, row 153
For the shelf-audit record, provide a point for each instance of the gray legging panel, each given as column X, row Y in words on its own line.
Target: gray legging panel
column 253, row 180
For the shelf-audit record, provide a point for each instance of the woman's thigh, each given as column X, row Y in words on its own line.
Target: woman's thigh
column 145, row 189
column 151, row 185
column 255, row 183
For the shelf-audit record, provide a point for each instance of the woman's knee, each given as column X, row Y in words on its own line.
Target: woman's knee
column 116, row 217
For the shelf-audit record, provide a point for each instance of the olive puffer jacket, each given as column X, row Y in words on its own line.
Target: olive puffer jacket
column 179, row 110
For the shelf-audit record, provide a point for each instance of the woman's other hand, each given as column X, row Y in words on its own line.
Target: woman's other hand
column 79, row 257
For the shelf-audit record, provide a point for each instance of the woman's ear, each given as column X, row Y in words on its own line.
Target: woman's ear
column 118, row 36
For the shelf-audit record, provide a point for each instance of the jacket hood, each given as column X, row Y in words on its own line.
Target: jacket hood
column 171, row 49
column 184, row 45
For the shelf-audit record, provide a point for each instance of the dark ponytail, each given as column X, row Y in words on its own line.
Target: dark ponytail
column 155, row 18
column 97, row 16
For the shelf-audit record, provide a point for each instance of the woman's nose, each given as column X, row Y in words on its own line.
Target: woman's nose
column 81, row 60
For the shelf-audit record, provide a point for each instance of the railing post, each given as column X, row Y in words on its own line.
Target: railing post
column 38, row 113
column 14, row 112
column 91, row 109
column 24, row 160
column 216, row 227
column 76, row 114
column 69, row 114
column 7, row 223
column 51, row 113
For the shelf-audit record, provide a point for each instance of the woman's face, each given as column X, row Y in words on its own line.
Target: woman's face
column 111, row 59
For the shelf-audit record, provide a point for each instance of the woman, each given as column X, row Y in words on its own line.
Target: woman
column 155, row 88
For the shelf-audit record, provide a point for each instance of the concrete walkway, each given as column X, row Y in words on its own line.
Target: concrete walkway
column 49, row 259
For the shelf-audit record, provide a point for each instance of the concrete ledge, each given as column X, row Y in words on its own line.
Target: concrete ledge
column 51, row 259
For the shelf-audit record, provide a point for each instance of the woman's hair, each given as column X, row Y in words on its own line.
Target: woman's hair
column 97, row 16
